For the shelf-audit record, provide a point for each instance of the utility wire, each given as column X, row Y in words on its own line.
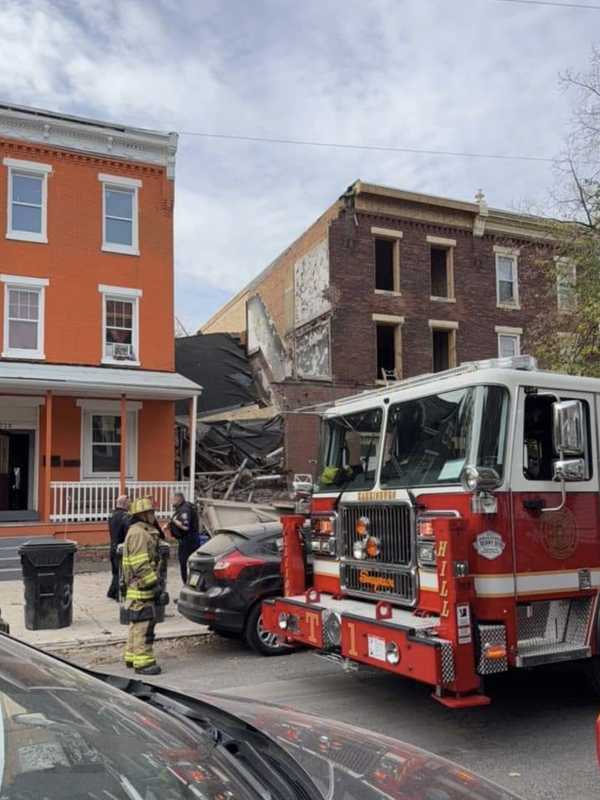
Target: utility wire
column 551, row 3
column 376, row 147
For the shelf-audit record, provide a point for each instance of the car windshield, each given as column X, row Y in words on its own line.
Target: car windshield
column 350, row 450
column 428, row 440
column 74, row 737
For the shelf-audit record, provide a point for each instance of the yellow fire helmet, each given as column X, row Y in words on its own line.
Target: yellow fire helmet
column 141, row 504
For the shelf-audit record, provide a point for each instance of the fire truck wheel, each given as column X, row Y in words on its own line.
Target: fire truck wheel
column 260, row 640
column 592, row 669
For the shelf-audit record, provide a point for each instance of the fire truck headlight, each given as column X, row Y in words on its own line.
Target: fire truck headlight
column 358, row 550
column 470, row 478
column 426, row 553
column 392, row 653
column 282, row 620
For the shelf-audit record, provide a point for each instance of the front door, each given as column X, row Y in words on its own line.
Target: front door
column 16, row 475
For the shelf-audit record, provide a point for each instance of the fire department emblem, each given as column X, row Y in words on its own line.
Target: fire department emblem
column 559, row 534
column 489, row 544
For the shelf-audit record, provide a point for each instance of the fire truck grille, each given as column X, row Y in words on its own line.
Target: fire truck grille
column 391, row 525
column 362, row 578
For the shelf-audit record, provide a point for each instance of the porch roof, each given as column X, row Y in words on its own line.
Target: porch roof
column 28, row 378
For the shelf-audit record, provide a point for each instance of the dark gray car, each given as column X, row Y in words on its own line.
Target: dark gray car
column 67, row 734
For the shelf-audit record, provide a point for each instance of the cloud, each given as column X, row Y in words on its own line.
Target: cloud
column 474, row 75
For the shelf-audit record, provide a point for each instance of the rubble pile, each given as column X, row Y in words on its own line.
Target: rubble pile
column 241, row 460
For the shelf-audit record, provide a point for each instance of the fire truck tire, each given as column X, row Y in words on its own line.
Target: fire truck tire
column 592, row 670
column 260, row 640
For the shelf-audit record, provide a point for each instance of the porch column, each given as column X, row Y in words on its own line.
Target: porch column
column 123, row 464
column 48, row 456
column 193, row 426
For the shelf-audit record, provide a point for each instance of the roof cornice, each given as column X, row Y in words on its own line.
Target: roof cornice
column 89, row 136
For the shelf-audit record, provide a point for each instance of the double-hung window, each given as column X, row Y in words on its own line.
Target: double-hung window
column 120, row 325
column 120, row 214
column 509, row 341
column 566, row 285
column 27, row 200
column 102, row 439
column 507, row 277
column 23, row 316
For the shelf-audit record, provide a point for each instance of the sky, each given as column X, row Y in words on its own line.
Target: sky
column 475, row 76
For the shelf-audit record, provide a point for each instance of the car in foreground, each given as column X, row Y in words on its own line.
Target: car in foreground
column 70, row 734
column 229, row 577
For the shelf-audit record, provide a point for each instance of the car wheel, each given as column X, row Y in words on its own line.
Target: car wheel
column 592, row 673
column 261, row 640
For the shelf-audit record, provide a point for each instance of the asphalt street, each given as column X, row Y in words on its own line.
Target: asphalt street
column 537, row 738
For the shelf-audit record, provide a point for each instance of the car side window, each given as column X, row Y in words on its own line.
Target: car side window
column 538, row 448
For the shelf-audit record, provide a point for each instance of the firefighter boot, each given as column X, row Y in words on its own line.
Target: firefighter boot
column 153, row 669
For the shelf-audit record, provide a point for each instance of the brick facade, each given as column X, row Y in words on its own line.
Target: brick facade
column 347, row 228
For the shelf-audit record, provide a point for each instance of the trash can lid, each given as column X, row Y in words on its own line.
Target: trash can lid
column 44, row 542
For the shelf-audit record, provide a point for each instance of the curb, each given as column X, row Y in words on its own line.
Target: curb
column 118, row 639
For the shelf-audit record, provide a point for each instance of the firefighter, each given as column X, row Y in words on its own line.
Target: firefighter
column 184, row 526
column 117, row 526
column 143, row 588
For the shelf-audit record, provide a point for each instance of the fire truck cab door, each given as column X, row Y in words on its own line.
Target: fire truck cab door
column 551, row 546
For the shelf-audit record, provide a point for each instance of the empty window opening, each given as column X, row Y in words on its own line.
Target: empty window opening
column 386, row 265
column 440, row 272
column 386, row 352
column 444, row 349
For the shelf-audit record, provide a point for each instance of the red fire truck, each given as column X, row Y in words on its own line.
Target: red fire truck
column 454, row 529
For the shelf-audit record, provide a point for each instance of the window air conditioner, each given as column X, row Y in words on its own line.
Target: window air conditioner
column 122, row 352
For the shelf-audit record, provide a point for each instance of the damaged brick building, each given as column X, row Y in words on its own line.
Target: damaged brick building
column 387, row 284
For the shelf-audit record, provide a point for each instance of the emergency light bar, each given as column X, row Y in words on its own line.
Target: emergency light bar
column 527, row 363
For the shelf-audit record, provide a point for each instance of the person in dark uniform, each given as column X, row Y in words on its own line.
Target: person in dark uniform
column 117, row 525
column 184, row 526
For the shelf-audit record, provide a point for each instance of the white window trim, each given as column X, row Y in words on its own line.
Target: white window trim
column 387, row 233
column 389, row 319
column 103, row 408
column 442, row 325
column 18, row 282
column 39, row 171
column 121, row 182
column 508, row 335
column 514, row 257
column 440, row 241
column 121, row 293
column 509, row 330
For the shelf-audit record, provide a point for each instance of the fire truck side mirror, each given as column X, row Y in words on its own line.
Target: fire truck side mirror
column 571, row 470
column 568, row 428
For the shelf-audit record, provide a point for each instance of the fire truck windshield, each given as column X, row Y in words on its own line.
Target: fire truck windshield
column 429, row 440
column 350, row 451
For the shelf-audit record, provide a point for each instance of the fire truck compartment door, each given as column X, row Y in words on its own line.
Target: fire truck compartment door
column 551, row 546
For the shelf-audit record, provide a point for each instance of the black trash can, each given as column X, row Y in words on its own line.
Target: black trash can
column 159, row 611
column 47, row 566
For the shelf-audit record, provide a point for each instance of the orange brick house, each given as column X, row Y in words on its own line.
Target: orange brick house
column 87, row 379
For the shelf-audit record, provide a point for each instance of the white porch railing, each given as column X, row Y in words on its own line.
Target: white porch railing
column 93, row 501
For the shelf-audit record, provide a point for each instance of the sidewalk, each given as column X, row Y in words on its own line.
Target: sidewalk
column 95, row 617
